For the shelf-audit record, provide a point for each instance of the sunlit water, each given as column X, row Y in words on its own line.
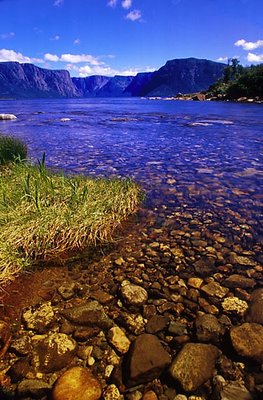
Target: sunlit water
column 200, row 163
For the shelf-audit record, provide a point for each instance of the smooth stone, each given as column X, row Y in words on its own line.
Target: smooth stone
column 147, row 359
column 208, row 328
column 214, row 289
column 255, row 310
column 134, row 295
column 150, row 395
column 156, row 323
column 239, row 281
column 7, row 117
column 89, row 314
column 247, row 340
column 40, row 318
column 33, row 388
column 53, row 352
column 77, row 383
column 119, row 340
column 194, row 365
column 234, row 304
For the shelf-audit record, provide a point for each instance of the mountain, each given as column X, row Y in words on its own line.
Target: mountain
column 27, row 81
column 138, row 82
column 180, row 75
column 186, row 75
column 115, row 87
column 90, row 86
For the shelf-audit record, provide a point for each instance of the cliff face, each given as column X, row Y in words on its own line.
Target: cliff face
column 27, row 81
column 187, row 75
column 181, row 75
column 91, row 85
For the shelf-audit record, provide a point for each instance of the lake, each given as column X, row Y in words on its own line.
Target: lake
column 200, row 164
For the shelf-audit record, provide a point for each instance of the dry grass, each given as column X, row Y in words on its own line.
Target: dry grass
column 43, row 215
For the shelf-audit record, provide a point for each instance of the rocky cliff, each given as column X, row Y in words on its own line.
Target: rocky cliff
column 91, row 85
column 188, row 75
column 27, row 81
column 180, row 75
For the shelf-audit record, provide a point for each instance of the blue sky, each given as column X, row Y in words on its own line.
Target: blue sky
column 109, row 37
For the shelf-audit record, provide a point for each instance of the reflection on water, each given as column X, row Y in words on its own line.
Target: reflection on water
column 200, row 163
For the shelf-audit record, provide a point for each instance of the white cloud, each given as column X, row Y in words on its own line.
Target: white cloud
column 58, row 3
column 80, row 58
column 248, row 45
column 126, row 4
column 112, row 3
column 76, row 41
column 222, row 59
column 11, row 55
column 51, row 57
column 8, row 35
column 257, row 58
column 134, row 15
column 106, row 70
column 56, row 37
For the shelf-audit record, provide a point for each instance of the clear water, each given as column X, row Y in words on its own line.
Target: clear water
column 200, row 163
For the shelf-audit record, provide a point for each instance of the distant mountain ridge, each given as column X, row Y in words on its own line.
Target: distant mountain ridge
column 180, row 75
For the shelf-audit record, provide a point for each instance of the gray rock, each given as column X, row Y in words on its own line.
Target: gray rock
column 147, row 359
column 33, row 388
column 233, row 391
column 239, row 281
column 247, row 340
column 40, row 318
column 53, row 352
column 134, row 295
column 208, row 329
column 89, row 314
column 194, row 365
column 255, row 310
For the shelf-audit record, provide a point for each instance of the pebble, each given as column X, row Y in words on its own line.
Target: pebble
column 134, row 295
column 118, row 340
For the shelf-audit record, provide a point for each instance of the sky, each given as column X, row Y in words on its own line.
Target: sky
column 111, row 37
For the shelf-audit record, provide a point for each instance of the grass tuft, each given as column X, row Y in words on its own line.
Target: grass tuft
column 11, row 149
column 45, row 215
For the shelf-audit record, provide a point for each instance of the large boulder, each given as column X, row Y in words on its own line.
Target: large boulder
column 147, row 359
column 194, row 365
column 247, row 340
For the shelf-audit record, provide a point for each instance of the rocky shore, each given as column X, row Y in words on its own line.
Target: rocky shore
column 140, row 326
column 208, row 97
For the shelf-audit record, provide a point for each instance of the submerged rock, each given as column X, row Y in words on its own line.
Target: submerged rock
column 247, row 340
column 77, row 383
column 147, row 359
column 89, row 314
column 194, row 365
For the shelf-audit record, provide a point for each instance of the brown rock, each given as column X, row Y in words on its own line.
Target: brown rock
column 255, row 311
column 247, row 340
column 146, row 360
column 194, row 365
column 156, row 323
column 77, row 383
column 151, row 395
column 208, row 329
column 239, row 281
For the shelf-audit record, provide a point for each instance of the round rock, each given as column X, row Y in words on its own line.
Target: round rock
column 77, row 383
column 134, row 295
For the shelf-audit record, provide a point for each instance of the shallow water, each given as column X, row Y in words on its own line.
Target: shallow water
column 200, row 163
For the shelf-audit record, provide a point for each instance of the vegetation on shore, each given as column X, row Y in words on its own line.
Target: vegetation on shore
column 45, row 215
column 11, row 149
column 238, row 82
